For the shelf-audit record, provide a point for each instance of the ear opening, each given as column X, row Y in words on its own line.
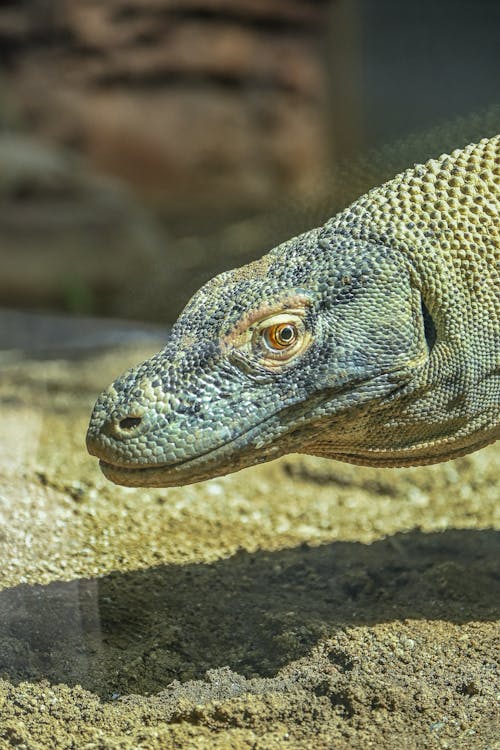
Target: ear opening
column 429, row 327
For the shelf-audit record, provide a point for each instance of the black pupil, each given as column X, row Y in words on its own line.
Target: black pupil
column 286, row 334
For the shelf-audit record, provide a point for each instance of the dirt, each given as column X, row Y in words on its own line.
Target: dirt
column 300, row 604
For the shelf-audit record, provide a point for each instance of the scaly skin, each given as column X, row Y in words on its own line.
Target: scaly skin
column 374, row 339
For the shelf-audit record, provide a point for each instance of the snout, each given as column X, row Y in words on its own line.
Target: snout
column 115, row 432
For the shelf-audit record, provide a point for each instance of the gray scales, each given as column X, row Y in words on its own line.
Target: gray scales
column 373, row 339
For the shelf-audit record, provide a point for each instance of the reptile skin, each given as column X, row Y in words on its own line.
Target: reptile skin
column 373, row 339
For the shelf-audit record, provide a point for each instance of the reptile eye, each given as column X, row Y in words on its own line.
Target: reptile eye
column 280, row 336
column 274, row 340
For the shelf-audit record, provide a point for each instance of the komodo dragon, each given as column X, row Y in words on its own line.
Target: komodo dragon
column 373, row 339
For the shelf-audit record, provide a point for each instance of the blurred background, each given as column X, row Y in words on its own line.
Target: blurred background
column 147, row 144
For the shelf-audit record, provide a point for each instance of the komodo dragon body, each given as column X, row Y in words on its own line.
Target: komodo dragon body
column 373, row 339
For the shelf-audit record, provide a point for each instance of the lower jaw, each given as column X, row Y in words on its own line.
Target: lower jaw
column 198, row 469
column 227, row 458
column 155, row 476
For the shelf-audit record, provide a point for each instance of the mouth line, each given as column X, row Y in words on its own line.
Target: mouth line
column 172, row 467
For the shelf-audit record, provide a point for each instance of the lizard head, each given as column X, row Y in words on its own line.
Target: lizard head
column 287, row 354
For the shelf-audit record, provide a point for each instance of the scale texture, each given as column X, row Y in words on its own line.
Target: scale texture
column 374, row 339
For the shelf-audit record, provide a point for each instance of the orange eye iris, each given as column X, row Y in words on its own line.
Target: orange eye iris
column 281, row 336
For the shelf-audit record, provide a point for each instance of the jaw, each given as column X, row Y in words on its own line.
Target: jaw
column 223, row 460
column 229, row 459
column 294, row 429
column 261, row 442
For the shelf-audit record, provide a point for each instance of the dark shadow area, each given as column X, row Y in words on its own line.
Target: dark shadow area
column 136, row 632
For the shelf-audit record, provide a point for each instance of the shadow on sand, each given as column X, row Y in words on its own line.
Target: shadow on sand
column 255, row 612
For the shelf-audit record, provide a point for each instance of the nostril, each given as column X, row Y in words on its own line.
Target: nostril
column 128, row 423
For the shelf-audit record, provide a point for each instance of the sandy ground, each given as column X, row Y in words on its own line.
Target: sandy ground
column 301, row 604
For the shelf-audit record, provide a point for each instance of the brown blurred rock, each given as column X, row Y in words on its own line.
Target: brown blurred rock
column 193, row 101
column 68, row 238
